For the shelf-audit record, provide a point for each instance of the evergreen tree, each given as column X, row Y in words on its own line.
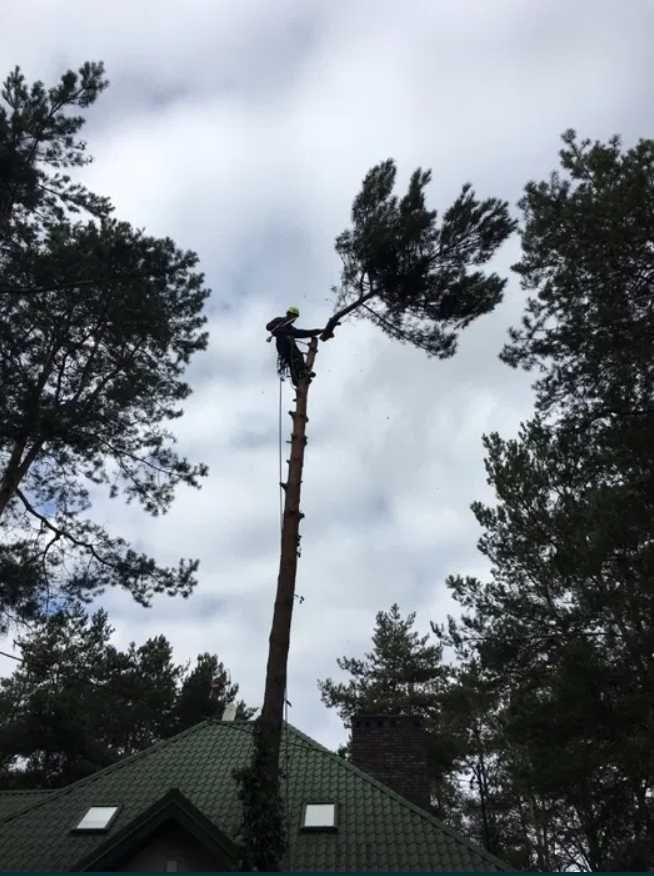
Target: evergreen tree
column 76, row 703
column 37, row 137
column 588, row 259
column 51, row 704
column 98, row 322
column 470, row 712
column 417, row 280
column 403, row 675
column 564, row 626
column 205, row 692
column 413, row 277
column 145, row 681
column 564, row 632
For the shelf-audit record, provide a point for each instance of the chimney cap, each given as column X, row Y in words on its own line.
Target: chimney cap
column 229, row 712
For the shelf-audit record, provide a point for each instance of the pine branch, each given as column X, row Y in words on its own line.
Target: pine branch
column 62, row 533
column 335, row 320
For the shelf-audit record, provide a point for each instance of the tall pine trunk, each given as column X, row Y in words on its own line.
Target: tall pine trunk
column 263, row 822
column 17, row 467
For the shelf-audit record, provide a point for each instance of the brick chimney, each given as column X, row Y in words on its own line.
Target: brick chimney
column 392, row 748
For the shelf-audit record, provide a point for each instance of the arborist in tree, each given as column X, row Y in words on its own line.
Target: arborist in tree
column 289, row 357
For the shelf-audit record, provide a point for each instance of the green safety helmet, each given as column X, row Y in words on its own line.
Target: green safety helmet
column 293, row 311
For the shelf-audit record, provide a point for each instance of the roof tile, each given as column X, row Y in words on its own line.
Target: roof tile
column 377, row 829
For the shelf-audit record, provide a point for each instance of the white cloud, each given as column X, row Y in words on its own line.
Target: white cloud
column 243, row 131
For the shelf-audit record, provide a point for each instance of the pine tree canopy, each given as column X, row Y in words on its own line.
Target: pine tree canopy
column 562, row 632
column 416, row 279
column 37, row 136
column 588, row 255
column 77, row 703
column 403, row 674
column 98, row 322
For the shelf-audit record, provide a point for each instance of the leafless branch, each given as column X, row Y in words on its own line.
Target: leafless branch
column 334, row 321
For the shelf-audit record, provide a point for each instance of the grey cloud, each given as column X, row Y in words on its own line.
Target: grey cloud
column 243, row 131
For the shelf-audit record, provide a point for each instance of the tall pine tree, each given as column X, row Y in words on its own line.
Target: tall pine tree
column 564, row 626
column 98, row 322
column 420, row 281
column 404, row 675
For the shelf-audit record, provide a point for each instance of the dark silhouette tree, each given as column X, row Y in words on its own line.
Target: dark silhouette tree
column 403, row 675
column 76, row 703
column 563, row 629
column 490, row 810
column 205, row 692
column 589, row 264
column 37, row 141
column 98, row 322
column 419, row 281
column 564, row 625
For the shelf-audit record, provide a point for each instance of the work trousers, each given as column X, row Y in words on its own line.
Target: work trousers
column 291, row 358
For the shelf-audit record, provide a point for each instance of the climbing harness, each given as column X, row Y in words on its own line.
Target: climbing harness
column 292, row 365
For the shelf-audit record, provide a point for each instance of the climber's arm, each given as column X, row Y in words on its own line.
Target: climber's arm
column 303, row 333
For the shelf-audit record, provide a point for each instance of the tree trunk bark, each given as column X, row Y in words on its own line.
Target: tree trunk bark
column 272, row 712
column 17, row 468
column 11, row 477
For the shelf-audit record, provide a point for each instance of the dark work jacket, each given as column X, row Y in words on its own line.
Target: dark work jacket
column 280, row 325
column 284, row 332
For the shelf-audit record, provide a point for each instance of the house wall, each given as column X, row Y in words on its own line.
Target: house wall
column 171, row 847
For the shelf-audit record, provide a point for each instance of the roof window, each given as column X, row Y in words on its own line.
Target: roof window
column 97, row 818
column 319, row 816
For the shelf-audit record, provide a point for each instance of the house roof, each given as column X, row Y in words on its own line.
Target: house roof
column 377, row 829
column 15, row 801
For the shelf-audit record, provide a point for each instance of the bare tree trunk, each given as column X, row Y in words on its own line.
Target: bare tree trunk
column 264, row 830
column 12, row 475
column 280, row 633
column 17, row 467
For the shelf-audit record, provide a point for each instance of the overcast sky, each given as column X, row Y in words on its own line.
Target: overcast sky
column 243, row 130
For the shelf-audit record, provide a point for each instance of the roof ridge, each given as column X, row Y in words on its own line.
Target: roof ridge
column 310, row 741
column 403, row 800
column 87, row 780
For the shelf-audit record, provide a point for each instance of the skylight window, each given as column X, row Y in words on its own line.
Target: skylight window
column 97, row 818
column 319, row 816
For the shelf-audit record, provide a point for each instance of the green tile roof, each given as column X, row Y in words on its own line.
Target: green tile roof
column 377, row 829
column 15, row 801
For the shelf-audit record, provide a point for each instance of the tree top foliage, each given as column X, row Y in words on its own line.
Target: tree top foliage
column 562, row 631
column 418, row 280
column 37, row 132
column 403, row 674
column 77, row 703
column 98, row 322
column 588, row 255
